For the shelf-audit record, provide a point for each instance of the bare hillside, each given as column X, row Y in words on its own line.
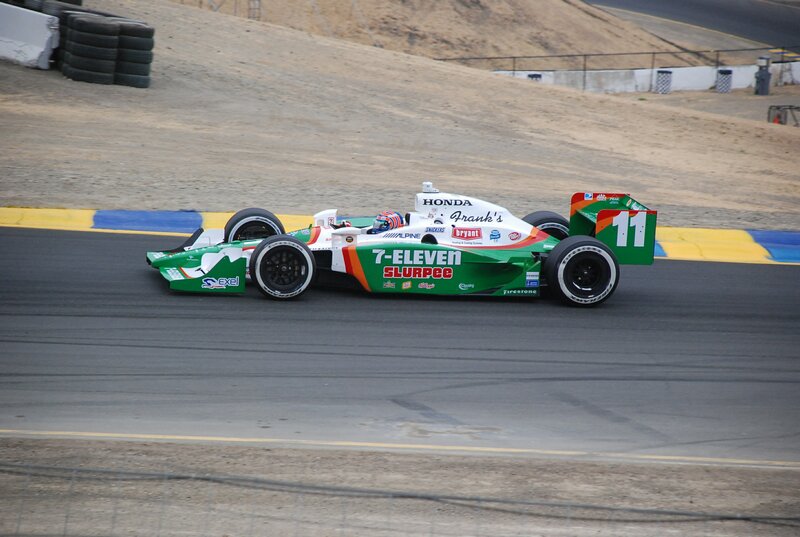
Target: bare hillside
column 450, row 28
column 243, row 113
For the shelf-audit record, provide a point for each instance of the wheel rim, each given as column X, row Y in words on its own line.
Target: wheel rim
column 254, row 229
column 283, row 269
column 555, row 230
column 587, row 275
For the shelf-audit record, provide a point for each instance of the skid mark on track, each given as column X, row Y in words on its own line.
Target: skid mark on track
column 611, row 417
column 427, row 412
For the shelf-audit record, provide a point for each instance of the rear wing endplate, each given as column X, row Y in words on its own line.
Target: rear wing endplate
column 618, row 221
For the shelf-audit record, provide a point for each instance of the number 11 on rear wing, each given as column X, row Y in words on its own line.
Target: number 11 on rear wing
column 618, row 221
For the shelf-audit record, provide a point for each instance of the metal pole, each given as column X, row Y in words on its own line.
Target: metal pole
column 716, row 62
column 514, row 66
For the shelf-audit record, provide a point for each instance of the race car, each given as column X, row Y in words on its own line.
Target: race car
column 449, row 245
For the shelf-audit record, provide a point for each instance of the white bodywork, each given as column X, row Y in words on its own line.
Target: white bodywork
column 451, row 219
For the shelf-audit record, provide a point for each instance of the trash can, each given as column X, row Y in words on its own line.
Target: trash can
column 724, row 80
column 763, row 76
column 663, row 81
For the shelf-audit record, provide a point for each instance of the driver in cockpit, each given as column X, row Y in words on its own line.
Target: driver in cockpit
column 385, row 221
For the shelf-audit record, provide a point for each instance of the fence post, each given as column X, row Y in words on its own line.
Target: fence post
column 514, row 66
column 584, row 72
column 652, row 71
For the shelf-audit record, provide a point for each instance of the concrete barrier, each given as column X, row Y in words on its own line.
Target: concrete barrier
column 27, row 37
column 643, row 80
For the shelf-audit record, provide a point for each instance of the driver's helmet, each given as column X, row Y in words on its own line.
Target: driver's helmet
column 387, row 220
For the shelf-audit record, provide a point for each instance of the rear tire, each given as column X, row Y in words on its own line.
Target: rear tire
column 252, row 223
column 282, row 267
column 582, row 271
column 551, row 223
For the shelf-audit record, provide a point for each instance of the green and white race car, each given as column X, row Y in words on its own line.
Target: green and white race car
column 449, row 245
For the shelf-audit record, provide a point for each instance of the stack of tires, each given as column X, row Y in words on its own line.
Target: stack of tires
column 63, row 10
column 35, row 5
column 135, row 54
column 38, row 5
column 90, row 49
column 99, row 47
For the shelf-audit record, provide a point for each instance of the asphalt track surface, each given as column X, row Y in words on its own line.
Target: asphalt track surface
column 686, row 359
column 758, row 20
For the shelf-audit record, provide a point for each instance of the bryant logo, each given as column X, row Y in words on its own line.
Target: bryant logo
column 467, row 233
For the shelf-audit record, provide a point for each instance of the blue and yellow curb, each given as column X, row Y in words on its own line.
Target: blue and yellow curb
column 691, row 244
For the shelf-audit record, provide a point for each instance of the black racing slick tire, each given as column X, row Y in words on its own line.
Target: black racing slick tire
column 551, row 223
column 582, row 271
column 282, row 267
column 90, row 64
column 130, row 68
column 88, row 51
column 92, row 39
column 252, row 223
column 134, row 81
column 82, row 75
column 93, row 24
column 135, row 56
column 136, row 43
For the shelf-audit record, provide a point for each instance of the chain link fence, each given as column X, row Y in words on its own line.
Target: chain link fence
column 628, row 60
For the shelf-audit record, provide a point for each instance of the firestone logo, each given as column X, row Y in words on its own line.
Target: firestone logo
column 467, row 233
column 448, row 203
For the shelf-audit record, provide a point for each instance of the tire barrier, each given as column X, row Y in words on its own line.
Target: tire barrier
column 91, row 49
column 35, row 5
column 98, row 47
column 135, row 54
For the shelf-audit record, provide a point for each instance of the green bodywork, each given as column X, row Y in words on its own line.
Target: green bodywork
column 443, row 270
column 225, row 276
column 386, row 268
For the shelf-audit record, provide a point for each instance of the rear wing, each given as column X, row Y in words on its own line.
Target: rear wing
column 618, row 221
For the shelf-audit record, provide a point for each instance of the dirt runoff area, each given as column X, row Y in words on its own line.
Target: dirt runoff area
column 458, row 28
column 65, row 487
column 242, row 113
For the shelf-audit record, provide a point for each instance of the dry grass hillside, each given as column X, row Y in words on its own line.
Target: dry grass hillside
column 457, row 28
column 243, row 113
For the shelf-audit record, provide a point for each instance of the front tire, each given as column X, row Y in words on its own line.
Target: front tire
column 282, row 267
column 249, row 224
column 551, row 223
column 582, row 271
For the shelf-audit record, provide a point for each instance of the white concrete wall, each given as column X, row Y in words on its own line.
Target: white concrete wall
column 642, row 80
column 27, row 37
